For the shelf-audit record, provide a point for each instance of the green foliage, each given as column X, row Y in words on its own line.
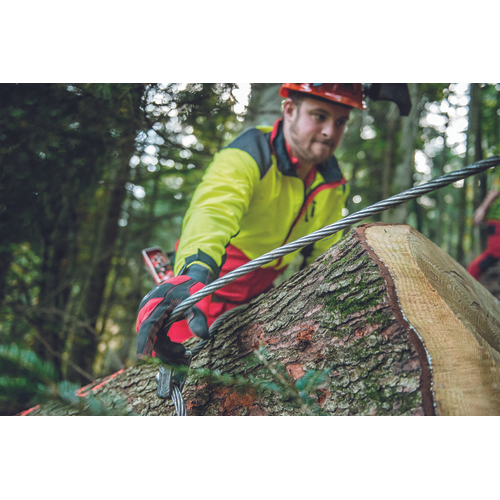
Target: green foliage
column 270, row 377
column 33, row 381
column 65, row 281
column 30, row 381
column 17, row 361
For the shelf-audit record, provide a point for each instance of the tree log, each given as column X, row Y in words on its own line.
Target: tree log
column 389, row 323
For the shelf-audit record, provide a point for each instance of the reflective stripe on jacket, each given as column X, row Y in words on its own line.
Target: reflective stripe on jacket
column 251, row 198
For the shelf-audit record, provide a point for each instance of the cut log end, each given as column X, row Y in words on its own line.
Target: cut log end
column 455, row 318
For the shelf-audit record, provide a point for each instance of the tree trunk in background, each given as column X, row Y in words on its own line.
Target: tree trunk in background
column 464, row 230
column 83, row 342
column 393, row 324
column 264, row 107
column 439, row 164
column 390, row 152
column 5, row 261
column 112, row 359
column 403, row 175
column 480, row 180
column 462, row 213
column 59, row 249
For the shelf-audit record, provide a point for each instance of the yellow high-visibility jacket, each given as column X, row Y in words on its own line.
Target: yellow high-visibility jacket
column 251, row 198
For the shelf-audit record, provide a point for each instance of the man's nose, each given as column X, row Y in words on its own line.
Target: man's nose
column 328, row 130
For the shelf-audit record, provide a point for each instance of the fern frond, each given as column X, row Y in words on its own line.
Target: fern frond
column 17, row 362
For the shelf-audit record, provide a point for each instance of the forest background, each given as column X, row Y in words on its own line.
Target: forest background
column 90, row 174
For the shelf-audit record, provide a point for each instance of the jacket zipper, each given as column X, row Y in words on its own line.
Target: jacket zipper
column 307, row 200
column 303, row 208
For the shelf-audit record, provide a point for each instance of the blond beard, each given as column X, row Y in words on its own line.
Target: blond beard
column 305, row 154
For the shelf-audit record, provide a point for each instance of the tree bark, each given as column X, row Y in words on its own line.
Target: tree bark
column 391, row 322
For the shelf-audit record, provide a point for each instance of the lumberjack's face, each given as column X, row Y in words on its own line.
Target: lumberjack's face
column 314, row 129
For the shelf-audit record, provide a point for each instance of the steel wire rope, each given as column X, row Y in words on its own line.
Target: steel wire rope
column 180, row 406
column 324, row 232
column 331, row 229
column 176, row 394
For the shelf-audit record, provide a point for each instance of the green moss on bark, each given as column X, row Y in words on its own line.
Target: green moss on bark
column 375, row 368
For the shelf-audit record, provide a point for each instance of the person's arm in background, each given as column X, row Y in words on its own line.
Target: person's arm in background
column 482, row 210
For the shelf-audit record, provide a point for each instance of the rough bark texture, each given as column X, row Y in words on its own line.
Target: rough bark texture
column 340, row 316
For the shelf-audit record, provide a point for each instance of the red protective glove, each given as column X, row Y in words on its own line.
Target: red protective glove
column 157, row 306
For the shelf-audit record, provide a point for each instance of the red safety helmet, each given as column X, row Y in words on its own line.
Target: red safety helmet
column 350, row 94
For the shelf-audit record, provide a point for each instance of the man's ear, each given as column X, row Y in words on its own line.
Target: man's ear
column 289, row 109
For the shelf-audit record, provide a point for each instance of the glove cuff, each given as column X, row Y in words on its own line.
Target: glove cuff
column 200, row 273
column 204, row 261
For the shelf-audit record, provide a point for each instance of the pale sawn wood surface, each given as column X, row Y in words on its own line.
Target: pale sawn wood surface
column 455, row 317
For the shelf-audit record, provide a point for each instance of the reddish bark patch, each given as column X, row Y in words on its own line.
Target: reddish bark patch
column 254, row 336
column 27, row 412
column 82, row 392
column 231, row 400
column 255, row 411
column 85, row 391
column 306, row 334
column 367, row 330
column 295, row 371
column 323, row 395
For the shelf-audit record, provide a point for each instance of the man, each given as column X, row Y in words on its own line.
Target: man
column 489, row 210
column 267, row 188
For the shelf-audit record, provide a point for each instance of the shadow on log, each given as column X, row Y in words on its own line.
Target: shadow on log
column 384, row 323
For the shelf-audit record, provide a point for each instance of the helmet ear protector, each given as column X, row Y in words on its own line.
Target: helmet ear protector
column 353, row 94
column 395, row 92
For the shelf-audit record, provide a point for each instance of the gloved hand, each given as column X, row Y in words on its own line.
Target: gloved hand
column 157, row 306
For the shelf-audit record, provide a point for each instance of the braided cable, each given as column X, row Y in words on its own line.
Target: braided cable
column 331, row 229
column 176, row 395
column 326, row 231
column 180, row 406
